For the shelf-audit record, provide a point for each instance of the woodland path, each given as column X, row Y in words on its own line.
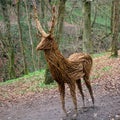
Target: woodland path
column 107, row 107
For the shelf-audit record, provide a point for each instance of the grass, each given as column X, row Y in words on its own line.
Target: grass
column 49, row 86
column 106, row 68
column 28, row 84
column 31, row 83
column 25, row 77
column 99, row 54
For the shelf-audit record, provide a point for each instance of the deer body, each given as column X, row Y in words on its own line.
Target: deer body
column 69, row 70
column 65, row 70
column 57, row 64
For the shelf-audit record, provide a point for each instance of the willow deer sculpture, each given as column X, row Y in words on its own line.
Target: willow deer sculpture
column 70, row 70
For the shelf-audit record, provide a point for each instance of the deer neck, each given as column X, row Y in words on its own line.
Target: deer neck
column 54, row 56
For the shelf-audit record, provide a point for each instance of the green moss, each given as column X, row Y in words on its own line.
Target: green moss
column 106, row 68
column 99, row 54
column 25, row 77
column 43, row 85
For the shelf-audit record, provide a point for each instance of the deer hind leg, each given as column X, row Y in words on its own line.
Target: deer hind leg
column 73, row 94
column 88, row 84
column 79, row 85
column 62, row 96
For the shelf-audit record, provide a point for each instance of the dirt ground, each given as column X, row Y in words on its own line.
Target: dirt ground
column 107, row 107
column 47, row 106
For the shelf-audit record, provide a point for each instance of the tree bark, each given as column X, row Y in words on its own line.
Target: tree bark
column 43, row 8
column 8, row 44
column 115, row 27
column 60, row 22
column 87, row 41
column 30, row 34
column 48, row 76
column 25, row 70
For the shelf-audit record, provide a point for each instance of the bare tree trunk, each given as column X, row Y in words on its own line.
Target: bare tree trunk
column 48, row 76
column 95, row 16
column 115, row 27
column 43, row 8
column 25, row 70
column 30, row 34
column 61, row 14
column 8, row 44
column 87, row 41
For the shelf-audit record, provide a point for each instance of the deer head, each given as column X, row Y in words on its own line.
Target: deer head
column 46, row 38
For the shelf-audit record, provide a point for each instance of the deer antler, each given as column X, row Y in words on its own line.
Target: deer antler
column 38, row 24
column 53, row 20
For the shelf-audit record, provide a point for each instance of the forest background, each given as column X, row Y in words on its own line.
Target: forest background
column 18, row 38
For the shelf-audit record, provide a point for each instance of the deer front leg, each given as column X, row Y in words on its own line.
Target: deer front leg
column 62, row 96
column 73, row 94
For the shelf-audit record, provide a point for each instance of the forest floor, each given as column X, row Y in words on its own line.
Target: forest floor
column 45, row 104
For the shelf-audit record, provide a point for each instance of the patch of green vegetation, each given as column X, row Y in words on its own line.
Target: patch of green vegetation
column 25, row 77
column 74, row 14
column 106, row 68
column 95, row 76
column 99, row 54
column 33, row 82
column 102, row 21
column 1, row 17
column 49, row 86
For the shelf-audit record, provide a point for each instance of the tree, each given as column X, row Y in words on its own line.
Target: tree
column 30, row 32
column 61, row 15
column 25, row 70
column 7, row 42
column 43, row 8
column 115, row 27
column 87, row 41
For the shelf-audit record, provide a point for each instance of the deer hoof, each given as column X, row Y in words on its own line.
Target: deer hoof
column 74, row 117
column 62, row 118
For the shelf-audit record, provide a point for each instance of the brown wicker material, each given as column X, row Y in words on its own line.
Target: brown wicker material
column 69, row 70
column 63, row 70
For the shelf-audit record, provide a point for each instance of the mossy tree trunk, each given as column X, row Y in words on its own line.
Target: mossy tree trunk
column 25, row 70
column 7, row 42
column 30, row 32
column 115, row 27
column 48, row 76
column 87, row 41
column 42, row 8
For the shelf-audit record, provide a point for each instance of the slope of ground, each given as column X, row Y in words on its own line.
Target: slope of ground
column 36, row 103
